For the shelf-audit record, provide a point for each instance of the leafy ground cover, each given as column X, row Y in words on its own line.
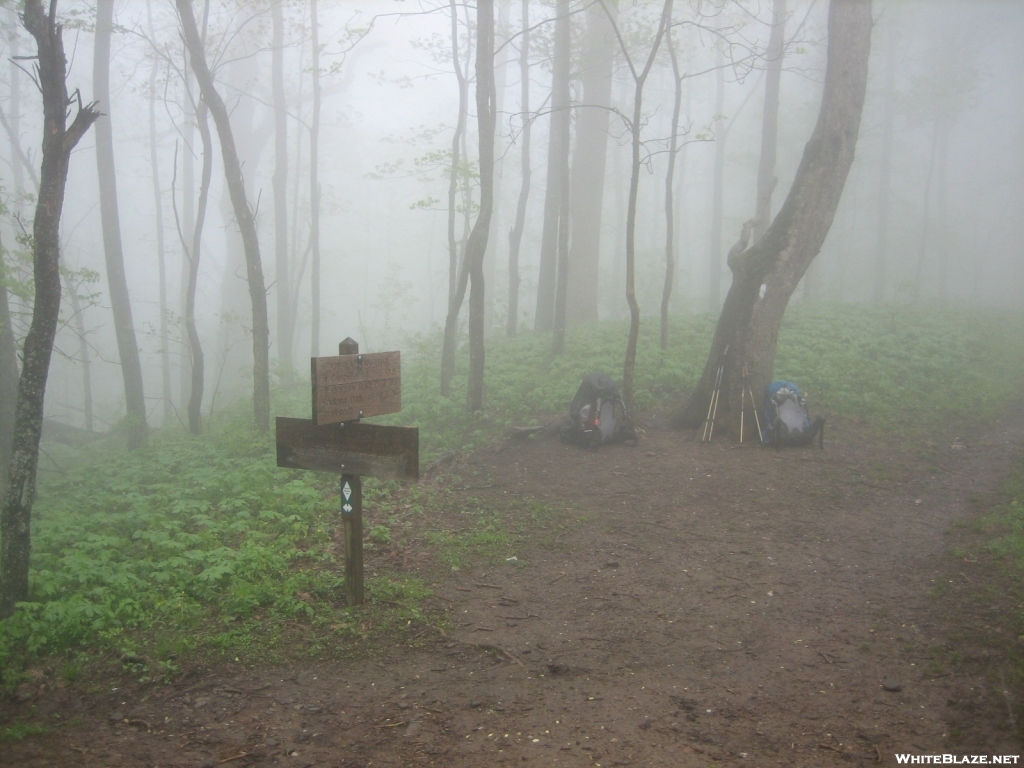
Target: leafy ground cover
column 203, row 547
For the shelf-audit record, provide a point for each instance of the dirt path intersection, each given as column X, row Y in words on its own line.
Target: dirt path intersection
column 695, row 605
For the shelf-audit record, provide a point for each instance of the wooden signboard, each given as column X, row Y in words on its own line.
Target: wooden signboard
column 349, row 449
column 347, row 387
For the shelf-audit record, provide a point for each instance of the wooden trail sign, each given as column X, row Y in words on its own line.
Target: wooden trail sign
column 346, row 388
column 352, row 448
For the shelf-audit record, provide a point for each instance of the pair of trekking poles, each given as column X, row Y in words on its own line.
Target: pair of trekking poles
column 709, row 422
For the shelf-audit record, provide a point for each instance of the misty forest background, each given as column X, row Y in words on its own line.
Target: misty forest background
column 357, row 137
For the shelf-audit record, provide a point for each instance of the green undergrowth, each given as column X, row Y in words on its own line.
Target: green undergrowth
column 1005, row 524
column 192, row 548
column 199, row 548
column 905, row 369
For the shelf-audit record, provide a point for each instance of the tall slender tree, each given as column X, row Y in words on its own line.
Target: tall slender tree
column 59, row 140
column 558, row 149
column 8, row 376
column 282, row 286
column 670, row 205
column 456, row 283
column 717, row 188
column 558, row 167
column 477, row 244
column 770, row 120
column 120, row 301
column 161, row 256
column 635, row 126
column 515, row 235
column 314, row 183
column 885, row 166
column 589, row 161
column 243, row 216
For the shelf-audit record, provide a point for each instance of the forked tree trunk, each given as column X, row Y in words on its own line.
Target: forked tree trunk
column 58, row 142
column 243, row 215
column 639, row 79
column 748, row 326
column 477, row 245
column 120, row 303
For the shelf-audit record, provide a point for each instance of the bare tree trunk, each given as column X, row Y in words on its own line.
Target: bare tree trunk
column 197, row 381
column 243, row 215
column 188, row 216
column 15, row 124
column 670, row 211
column 639, row 79
column 766, row 274
column 770, row 121
column 314, row 184
column 558, row 143
column 515, row 235
column 280, row 183
column 717, row 184
column 589, row 163
column 942, row 263
column 58, row 142
column 120, row 302
column 885, row 167
column 8, row 379
column 457, row 278
column 477, row 245
column 564, row 270
column 161, row 254
column 83, row 353
column 926, row 214
column 559, row 149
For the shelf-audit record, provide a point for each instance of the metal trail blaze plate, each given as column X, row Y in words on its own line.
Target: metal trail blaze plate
column 346, row 388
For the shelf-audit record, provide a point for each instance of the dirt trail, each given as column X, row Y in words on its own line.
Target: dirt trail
column 700, row 605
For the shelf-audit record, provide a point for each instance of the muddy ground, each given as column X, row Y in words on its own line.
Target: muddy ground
column 691, row 605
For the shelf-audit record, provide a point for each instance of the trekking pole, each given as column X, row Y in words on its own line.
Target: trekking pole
column 753, row 404
column 709, row 426
column 743, row 409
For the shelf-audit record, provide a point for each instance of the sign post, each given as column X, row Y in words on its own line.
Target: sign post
column 345, row 389
column 352, row 521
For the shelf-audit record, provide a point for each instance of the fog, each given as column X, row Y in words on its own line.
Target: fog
column 946, row 93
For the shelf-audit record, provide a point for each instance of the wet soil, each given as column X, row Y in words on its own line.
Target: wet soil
column 681, row 604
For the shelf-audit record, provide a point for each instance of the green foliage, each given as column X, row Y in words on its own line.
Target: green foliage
column 1008, row 521
column 21, row 731
column 907, row 369
column 203, row 545
column 904, row 369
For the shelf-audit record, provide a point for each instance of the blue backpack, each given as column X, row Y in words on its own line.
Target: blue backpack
column 785, row 417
